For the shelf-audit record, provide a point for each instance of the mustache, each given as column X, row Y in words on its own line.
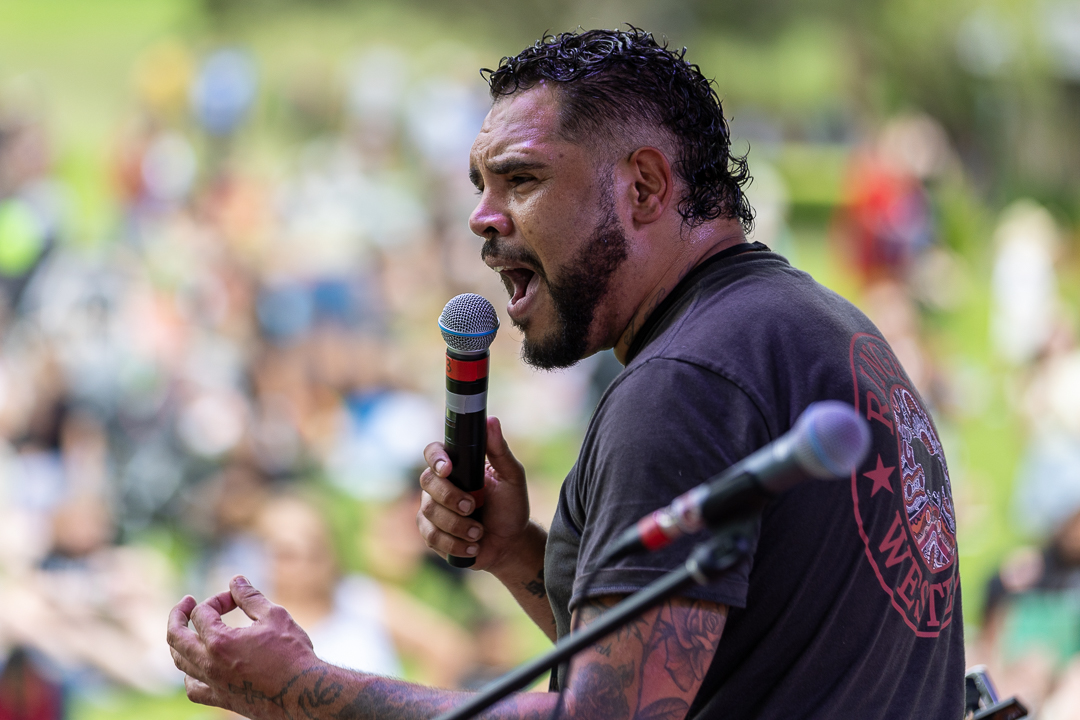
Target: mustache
column 495, row 247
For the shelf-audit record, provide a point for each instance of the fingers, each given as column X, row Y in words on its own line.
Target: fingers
column 441, row 541
column 449, row 521
column 222, row 603
column 179, row 635
column 499, row 456
column 186, row 666
column 434, row 481
column 446, row 494
column 254, row 604
column 206, row 617
column 437, row 459
column 199, row 692
column 185, row 646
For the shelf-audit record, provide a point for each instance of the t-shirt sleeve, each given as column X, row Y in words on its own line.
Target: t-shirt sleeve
column 666, row 426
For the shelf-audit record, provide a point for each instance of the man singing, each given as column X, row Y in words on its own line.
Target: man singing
column 613, row 210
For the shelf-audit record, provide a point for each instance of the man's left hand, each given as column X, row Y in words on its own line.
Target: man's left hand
column 247, row 670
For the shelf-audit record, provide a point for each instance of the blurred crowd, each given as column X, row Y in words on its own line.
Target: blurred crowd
column 241, row 375
column 247, row 359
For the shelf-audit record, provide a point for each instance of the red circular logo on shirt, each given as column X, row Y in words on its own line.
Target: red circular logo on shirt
column 902, row 498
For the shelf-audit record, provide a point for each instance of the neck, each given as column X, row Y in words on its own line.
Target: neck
column 693, row 248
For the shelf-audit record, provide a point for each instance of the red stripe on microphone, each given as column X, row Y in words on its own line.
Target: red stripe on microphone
column 652, row 537
column 478, row 495
column 466, row 370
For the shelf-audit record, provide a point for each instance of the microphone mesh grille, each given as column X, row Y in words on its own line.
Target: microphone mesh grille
column 468, row 323
column 835, row 440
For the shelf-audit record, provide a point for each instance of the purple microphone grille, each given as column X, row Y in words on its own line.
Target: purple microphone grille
column 833, row 441
column 468, row 323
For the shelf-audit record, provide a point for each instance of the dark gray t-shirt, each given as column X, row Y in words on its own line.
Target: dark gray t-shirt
column 850, row 606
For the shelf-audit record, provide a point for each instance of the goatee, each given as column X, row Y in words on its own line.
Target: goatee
column 576, row 293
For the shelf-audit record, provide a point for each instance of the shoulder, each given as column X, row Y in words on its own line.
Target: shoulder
column 667, row 383
column 668, row 411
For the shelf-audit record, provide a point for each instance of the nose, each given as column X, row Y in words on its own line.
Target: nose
column 490, row 218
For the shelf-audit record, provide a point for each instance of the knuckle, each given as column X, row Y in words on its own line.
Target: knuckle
column 429, row 533
column 428, row 507
column 427, row 479
column 216, row 644
column 457, row 547
column 432, row 451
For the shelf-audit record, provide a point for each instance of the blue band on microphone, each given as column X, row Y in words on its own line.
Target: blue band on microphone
column 456, row 333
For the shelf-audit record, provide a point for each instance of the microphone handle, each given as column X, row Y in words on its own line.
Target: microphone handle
column 465, row 436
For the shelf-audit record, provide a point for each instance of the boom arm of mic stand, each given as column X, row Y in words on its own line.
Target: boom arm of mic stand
column 709, row 559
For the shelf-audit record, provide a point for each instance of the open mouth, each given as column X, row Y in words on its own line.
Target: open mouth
column 518, row 282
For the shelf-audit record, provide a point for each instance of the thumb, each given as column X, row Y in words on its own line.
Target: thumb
column 254, row 604
column 499, row 456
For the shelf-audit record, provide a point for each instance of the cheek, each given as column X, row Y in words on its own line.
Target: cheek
column 551, row 226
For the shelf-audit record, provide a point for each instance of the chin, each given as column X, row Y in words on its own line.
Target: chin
column 554, row 350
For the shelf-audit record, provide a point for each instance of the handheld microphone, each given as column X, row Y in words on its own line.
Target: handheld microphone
column 468, row 324
column 829, row 440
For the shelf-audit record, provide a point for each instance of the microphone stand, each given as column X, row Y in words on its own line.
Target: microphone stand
column 708, row 560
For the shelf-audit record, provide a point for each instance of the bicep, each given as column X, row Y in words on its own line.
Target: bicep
column 652, row 667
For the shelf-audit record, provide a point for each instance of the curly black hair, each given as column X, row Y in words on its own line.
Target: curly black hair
column 612, row 79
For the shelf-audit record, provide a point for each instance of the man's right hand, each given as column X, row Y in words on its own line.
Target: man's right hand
column 444, row 508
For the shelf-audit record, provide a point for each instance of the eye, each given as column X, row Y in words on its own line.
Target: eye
column 517, row 180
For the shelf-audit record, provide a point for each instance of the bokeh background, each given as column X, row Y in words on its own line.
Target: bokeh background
column 227, row 228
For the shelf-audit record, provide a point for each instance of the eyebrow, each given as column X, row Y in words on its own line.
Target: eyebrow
column 505, row 167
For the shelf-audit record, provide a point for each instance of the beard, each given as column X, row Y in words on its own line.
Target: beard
column 576, row 293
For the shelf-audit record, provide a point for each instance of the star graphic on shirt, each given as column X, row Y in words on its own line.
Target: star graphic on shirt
column 880, row 475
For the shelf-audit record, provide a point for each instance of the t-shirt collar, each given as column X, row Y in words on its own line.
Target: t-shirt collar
column 684, row 286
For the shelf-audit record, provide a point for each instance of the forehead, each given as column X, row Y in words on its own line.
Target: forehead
column 525, row 123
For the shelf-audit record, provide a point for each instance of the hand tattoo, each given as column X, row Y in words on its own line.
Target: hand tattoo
column 251, row 694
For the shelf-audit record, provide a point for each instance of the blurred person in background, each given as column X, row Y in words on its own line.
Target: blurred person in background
column 224, row 513
column 90, row 608
column 614, row 213
column 31, row 201
column 1030, row 637
column 889, row 234
column 355, row 621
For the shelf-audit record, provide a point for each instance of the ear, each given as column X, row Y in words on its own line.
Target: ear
column 652, row 186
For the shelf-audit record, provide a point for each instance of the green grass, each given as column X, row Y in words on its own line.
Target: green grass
column 118, row 705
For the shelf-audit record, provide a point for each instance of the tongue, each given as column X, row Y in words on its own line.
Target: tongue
column 522, row 280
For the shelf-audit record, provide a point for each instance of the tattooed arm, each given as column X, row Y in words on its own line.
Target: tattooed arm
column 650, row 669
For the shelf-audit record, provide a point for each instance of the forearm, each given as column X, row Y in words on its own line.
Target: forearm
column 523, row 576
column 325, row 691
